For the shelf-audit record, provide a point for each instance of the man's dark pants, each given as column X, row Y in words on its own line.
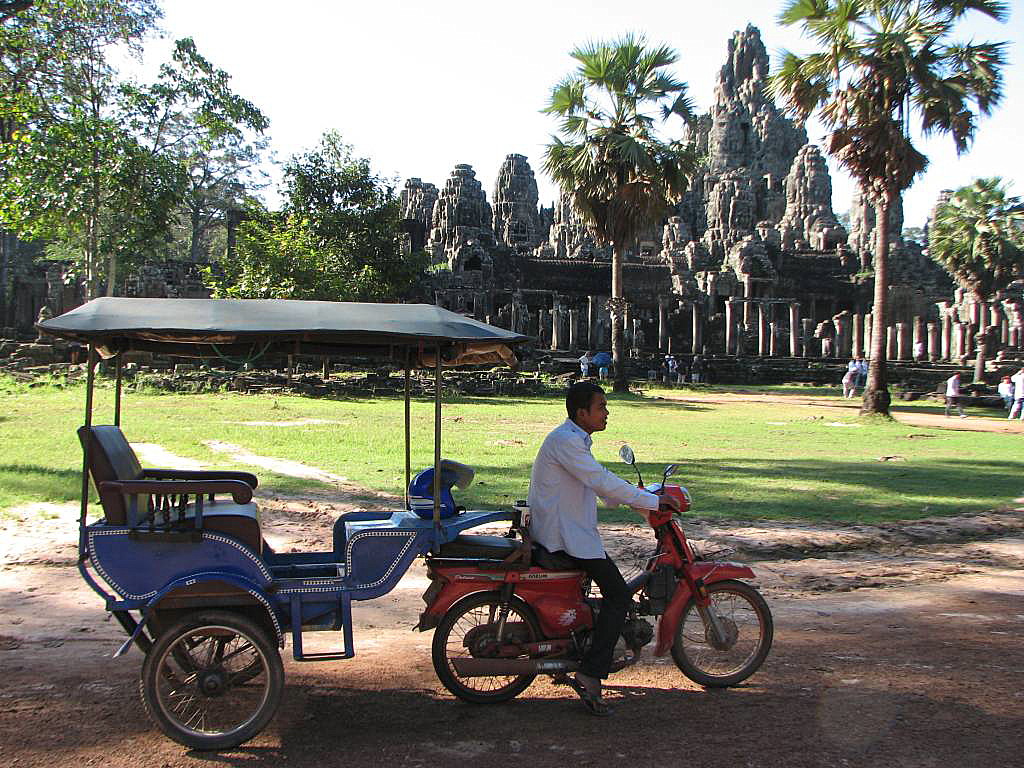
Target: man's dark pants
column 614, row 604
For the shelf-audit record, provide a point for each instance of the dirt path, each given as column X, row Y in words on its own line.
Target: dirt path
column 894, row 644
column 987, row 421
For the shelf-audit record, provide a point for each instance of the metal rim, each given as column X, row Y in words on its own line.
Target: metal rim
column 744, row 631
column 212, row 680
column 472, row 621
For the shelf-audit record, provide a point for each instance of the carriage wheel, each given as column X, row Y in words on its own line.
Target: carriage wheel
column 212, row 680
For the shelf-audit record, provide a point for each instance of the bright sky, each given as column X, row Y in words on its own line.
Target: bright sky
column 418, row 87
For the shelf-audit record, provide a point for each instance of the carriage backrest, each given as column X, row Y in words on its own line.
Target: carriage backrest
column 110, row 458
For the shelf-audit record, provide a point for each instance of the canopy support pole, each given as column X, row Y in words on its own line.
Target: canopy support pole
column 117, row 392
column 437, row 441
column 408, row 462
column 90, row 380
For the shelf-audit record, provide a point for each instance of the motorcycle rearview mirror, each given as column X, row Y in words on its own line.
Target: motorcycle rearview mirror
column 670, row 470
column 626, row 454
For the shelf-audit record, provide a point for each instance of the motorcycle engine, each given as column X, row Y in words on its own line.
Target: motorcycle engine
column 637, row 633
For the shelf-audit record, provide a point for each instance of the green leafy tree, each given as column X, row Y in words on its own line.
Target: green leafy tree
column 68, row 163
column 880, row 63
column 191, row 114
column 620, row 175
column 978, row 237
column 336, row 239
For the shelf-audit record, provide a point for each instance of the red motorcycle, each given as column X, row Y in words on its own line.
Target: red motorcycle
column 506, row 610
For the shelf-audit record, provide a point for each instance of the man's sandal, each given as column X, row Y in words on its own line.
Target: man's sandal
column 595, row 704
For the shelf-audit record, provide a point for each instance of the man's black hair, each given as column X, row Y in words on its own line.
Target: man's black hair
column 580, row 395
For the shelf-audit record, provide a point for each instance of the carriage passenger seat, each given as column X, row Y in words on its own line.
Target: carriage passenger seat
column 111, row 458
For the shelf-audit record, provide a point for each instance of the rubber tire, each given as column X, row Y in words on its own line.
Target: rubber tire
column 764, row 615
column 243, row 626
column 440, row 656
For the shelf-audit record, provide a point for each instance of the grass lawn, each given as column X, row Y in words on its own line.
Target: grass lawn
column 743, row 460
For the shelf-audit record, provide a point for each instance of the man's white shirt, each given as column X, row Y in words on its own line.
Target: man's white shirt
column 1018, row 385
column 564, row 485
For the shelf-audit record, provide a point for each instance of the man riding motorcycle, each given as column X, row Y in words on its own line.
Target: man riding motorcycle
column 564, row 485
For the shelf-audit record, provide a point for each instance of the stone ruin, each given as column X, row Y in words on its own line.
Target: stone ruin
column 752, row 260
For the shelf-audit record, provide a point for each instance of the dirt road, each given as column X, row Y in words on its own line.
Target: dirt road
column 904, row 650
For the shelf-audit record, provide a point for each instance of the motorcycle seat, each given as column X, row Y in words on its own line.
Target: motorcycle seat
column 479, row 547
column 552, row 561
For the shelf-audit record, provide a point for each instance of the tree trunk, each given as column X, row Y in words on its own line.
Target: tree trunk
column 111, row 274
column 620, row 383
column 4, row 259
column 876, row 392
column 981, row 338
column 196, row 239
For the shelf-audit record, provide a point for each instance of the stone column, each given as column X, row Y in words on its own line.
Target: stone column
column 592, row 323
column 794, row 329
column 868, row 319
column 890, row 343
column 903, row 351
column 810, row 348
column 746, row 305
column 773, row 346
column 763, row 342
column 662, row 325
column 957, row 350
column 697, row 338
column 574, row 329
column 945, row 350
column 1004, row 331
column 933, row 342
column 857, row 335
column 730, row 326
column 841, row 321
column 556, row 328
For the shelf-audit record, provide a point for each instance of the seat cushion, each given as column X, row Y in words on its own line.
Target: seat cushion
column 480, row 546
column 241, row 521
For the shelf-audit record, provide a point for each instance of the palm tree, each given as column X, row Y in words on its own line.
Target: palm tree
column 609, row 161
column 978, row 237
column 880, row 63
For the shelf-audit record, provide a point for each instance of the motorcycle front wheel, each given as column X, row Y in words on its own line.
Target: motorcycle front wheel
column 467, row 631
column 746, row 623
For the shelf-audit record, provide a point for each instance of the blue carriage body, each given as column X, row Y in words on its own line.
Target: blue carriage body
column 303, row 591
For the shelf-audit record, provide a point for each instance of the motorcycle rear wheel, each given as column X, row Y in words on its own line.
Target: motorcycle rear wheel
column 466, row 624
column 748, row 625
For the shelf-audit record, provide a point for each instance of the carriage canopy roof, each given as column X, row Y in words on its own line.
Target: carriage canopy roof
column 191, row 326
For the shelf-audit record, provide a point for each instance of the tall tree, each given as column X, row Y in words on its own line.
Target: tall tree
column 609, row 160
column 978, row 237
column 880, row 64
column 336, row 239
column 191, row 113
column 63, row 151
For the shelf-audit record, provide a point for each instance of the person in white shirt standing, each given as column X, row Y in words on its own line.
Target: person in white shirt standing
column 1018, row 394
column 953, row 395
column 564, row 485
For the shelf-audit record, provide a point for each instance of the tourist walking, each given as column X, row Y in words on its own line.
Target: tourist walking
column 585, row 364
column 1005, row 391
column 696, row 369
column 1018, row 395
column 850, row 382
column 862, row 372
column 673, row 369
column 953, row 395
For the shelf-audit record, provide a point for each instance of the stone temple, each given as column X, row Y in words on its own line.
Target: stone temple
column 752, row 261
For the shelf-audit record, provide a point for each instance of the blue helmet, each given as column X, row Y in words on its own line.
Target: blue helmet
column 421, row 489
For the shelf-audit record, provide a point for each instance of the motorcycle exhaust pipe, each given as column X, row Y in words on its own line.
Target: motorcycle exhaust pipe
column 501, row 667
